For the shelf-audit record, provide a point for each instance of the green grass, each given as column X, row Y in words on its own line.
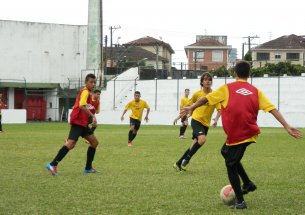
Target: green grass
column 140, row 179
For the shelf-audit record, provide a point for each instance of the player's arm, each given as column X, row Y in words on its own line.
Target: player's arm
column 198, row 103
column 216, row 118
column 265, row 105
column 147, row 113
column 290, row 130
column 83, row 105
column 122, row 117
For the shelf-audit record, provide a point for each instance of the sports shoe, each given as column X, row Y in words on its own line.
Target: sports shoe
column 129, row 144
column 246, row 188
column 88, row 171
column 242, row 205
column 52, row 169
column 177, row 167
column 184, row 164
column 182, row 137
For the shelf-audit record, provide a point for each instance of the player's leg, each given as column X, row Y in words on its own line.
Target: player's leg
column 233, row 156
column 177, row 165
column 199, row 132
column 184, row 124
column 91, row 138
column 130, row 133
column 136, row 129
column 75, row 132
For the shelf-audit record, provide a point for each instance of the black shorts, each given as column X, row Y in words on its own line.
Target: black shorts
column 76, row 131
column 233, row 154
column 184, row 118
column 135, row 122
column 198, row 129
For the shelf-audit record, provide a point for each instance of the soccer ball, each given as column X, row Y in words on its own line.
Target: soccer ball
column 227, row 195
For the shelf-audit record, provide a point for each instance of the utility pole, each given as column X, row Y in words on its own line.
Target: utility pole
column 250, row 38
column 112, row 29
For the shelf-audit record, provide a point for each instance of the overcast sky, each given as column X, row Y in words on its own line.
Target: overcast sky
column 177, row 22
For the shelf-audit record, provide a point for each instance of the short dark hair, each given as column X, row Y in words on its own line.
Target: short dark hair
column 243, row 69
column 186, row 89
column 137, row 92
column 96, row 91
column 90, row 75
column 203, row 76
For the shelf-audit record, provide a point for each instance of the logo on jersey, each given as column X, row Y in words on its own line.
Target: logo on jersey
column 244, row 91
column 90, row 107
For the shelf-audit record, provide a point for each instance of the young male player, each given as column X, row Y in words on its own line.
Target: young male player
column 79, row 118
column 137, row 107
column 240, row 103
column 184, row 119
column 201, row 119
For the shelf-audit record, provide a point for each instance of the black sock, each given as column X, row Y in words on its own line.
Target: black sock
column 93, row 129
column 183, row 157
column 235, row 182
column 242, row 173
column 193, row 150
column 130, row 136
column 60, row 155
column 182, row 131
column 133, row 136
column 90, row 157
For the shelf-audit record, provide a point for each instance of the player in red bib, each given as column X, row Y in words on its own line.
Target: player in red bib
column 240, row 103
column 79, row 119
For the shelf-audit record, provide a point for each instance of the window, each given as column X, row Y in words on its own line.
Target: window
column 277, row 56
column 262, row 56
column 293, row 56
column 217, row 56
column 198, row 56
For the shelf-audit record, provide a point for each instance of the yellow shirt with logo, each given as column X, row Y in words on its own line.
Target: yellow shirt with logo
column 203, row 114
column 221, row 96
column 136, row 108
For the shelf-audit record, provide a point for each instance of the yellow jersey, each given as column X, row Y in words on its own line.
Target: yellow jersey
column 136, row 108
column 221, row 96
column 202, row 114
column 184, row 102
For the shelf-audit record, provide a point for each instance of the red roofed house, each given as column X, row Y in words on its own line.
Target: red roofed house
column 208, row 53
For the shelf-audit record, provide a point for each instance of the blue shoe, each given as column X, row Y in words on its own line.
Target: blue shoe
column 52, row 169
column 88, row 171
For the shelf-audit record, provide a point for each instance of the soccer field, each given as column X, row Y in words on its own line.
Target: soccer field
column 141, row 179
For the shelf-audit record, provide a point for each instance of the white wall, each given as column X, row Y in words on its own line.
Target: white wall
column 41, row 53
column 13, row 116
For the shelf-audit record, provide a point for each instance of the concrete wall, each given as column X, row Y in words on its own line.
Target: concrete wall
column 13, row 116
column 41, row 53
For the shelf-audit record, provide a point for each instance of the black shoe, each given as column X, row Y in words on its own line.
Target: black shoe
column 246, row 188
column 239, row 205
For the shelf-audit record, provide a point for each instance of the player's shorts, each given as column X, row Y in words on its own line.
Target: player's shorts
column 233, row 154
column 135, row 122
column 77, row 131
column 184, row 118
column 198, row 129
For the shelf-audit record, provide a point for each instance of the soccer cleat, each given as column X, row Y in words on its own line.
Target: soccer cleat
column 52, row 169
column 246, row 188
column 177, row 167
column 239, row 205
column 129, row 144
column 182, row 137
column 184, row 164
column 88, row 171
